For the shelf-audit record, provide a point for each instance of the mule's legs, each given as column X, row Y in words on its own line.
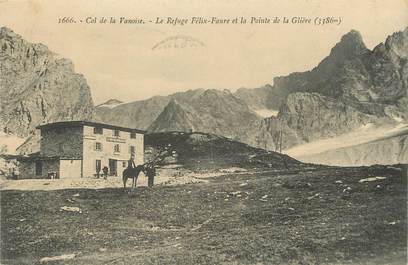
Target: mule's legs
column 124, row 182
column 134, row 182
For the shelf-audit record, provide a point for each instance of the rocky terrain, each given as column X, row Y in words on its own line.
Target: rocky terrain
column 351, row 87
column 36, row 85
column 213, row 111
column 257, row 98
column 350, row 73
column 205, row 110
column 314, row 215
column 138, row 114
column 303, row 118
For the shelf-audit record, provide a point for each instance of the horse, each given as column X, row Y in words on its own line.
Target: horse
column 132, row 173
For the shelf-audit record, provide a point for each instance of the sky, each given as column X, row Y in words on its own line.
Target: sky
column 136, row 61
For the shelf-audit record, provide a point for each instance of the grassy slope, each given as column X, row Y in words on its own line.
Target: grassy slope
column 207, row 224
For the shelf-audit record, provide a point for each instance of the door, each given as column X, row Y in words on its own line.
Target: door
column 113, row 167
column 98, row 167
column 38, row 168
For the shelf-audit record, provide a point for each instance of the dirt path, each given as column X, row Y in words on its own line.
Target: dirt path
column 165, row 177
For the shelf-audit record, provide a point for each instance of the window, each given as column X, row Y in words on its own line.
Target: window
column 98, row 130
column 98, row 146
column 38, row 168
column 98, row 165
column 124, row 164
column 132, row 149
column 116, row 133
column 116, row 148
column 133, row 135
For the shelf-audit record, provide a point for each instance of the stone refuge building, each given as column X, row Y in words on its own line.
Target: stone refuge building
column 75, row 149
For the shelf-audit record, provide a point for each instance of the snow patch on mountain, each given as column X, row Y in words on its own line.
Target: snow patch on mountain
column 266, row 113
column 365, row 134
column 111, row 103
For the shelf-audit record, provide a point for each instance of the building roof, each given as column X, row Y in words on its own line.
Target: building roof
column 9, row 156
column 65, row 124
column 38, row 157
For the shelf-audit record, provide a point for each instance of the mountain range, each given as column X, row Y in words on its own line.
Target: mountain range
column 204, row 110
column 351, row 88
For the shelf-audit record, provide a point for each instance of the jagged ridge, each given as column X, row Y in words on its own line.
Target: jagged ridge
column 37, row 86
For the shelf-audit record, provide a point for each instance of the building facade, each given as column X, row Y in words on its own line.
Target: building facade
column 76, row 149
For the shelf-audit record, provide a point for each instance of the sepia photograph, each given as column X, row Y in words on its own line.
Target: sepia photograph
column 203, row 132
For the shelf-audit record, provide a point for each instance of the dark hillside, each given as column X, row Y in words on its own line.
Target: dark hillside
column 203, row 150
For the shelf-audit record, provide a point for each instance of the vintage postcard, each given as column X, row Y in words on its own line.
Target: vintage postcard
column 203, row 132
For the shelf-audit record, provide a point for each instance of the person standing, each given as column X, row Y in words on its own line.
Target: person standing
column 105, row 170
column 151, row 173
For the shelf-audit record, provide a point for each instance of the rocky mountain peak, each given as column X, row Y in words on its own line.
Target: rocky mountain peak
column 38, row 86
column 4, row 31
column 350, row 45
column 7, row 33
column 174, row 117
column 13, row 44
column 173, row 105
column 398, row 43
column 216, row 92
